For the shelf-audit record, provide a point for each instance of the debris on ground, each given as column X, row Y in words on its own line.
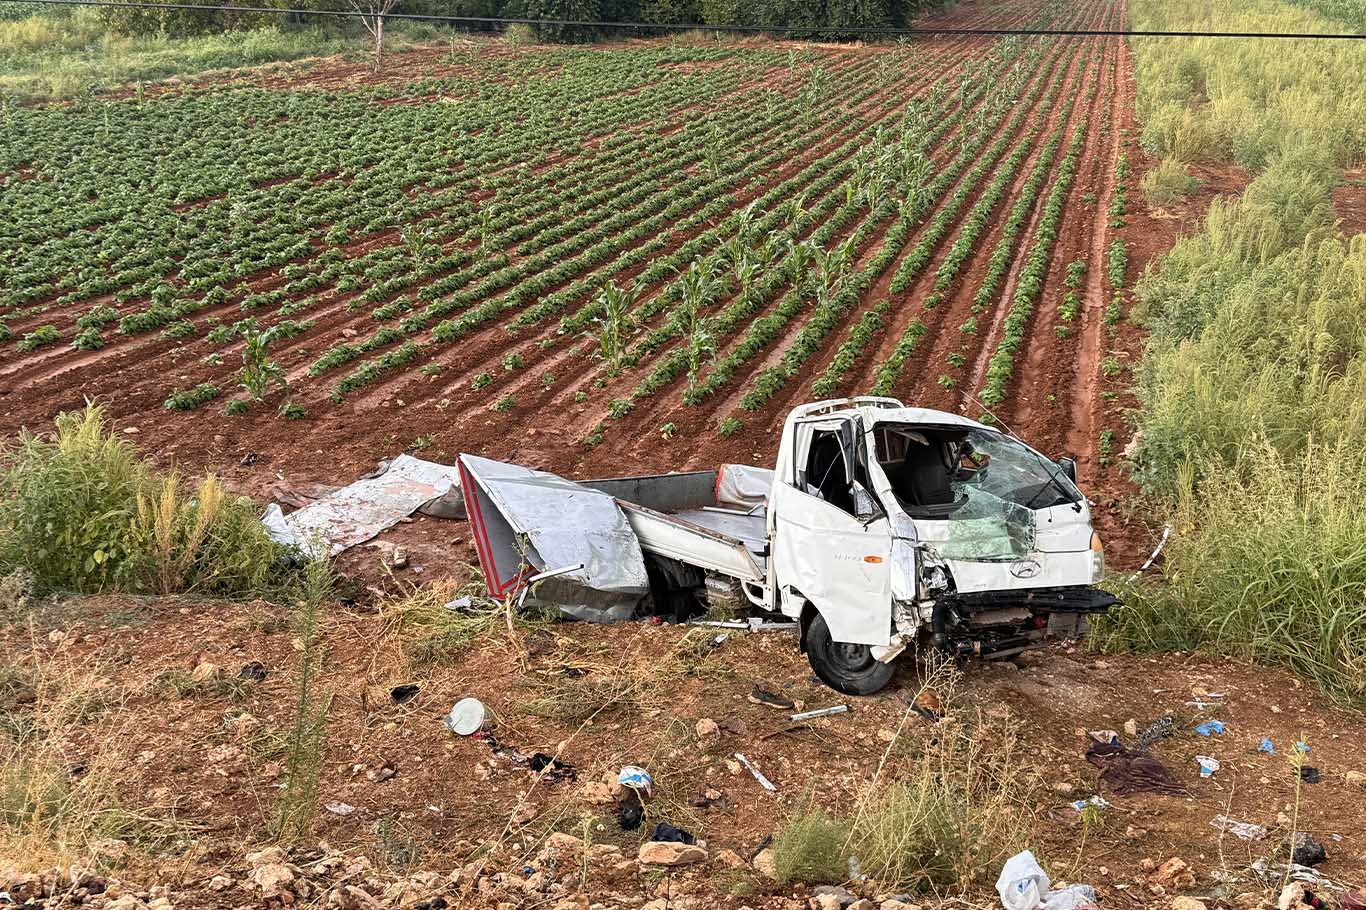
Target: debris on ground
column 405, row 693
column 467, row 717
column 633, row 777
column 630, row 811
column 769, row 699
column 1210, row 728
column 1024, row 885
column 1245, row 830
column 820, row 712
column 665, row 832
column 1208, row 765
column 758, row 775
column 356, row 513
column 253, row 671
column 1310, row 774
column 1307, row 850
column 1266, row 746
column 1127, row 772
column 1160, row 728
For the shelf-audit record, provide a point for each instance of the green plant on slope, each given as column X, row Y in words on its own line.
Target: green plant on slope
column 615, row 324
column 82, row 512
column 258, row 372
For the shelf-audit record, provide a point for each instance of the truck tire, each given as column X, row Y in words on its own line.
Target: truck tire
column 846, row 668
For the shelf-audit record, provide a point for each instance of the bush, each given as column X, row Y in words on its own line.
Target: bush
column 810, row 848
column 1268, row 562
column 83, row 512
column 954, row 814
column 1167, row 183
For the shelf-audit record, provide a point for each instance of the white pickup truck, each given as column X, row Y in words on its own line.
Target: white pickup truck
column 880, row 527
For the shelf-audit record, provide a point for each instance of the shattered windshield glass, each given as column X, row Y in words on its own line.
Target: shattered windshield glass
column 1005, row 468
column 986, row 486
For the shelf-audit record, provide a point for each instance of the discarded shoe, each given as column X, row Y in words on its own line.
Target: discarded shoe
column 761, row 696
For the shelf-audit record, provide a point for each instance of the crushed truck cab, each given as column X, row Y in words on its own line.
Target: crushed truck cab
column 881, row 528
column 889, row 526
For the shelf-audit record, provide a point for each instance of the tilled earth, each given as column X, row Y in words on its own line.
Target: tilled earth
column 408, row 814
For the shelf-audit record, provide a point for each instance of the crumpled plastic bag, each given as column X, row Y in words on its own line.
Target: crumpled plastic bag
column 1023, row 885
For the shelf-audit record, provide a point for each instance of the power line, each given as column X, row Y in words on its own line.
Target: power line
column 871, row 31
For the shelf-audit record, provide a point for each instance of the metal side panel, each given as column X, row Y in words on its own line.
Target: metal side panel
column 667, row 535
column 661, row 492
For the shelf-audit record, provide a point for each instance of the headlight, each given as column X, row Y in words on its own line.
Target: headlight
column 1097, row 559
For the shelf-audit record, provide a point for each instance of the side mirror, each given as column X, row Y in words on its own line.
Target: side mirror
column 1068, row 464
column 866, row 507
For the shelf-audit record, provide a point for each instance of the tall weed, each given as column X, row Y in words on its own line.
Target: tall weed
column 82, row 512
column 307, row 738
column 1267, row 562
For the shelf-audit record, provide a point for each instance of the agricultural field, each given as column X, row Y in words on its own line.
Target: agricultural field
column 582, row 258
column 636, row 256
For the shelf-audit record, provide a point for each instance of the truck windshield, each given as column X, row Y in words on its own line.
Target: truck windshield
column 934, row 469
column 997, row 464
column 985, row 486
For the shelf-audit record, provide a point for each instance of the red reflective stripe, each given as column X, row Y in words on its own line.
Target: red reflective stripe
column 469, row 492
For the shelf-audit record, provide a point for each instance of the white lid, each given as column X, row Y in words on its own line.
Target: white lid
column 467, row 716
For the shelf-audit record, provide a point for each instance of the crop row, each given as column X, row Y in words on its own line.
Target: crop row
column 1001, row 366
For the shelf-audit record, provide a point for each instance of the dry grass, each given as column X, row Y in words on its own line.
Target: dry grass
column 430, row 632
column 59, row 761
column 945, row 806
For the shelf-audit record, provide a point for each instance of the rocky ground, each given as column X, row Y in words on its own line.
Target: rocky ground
column 187, row 710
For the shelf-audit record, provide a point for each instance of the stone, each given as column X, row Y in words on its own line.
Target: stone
column 1187, row 903
column 220, row 883
column 1131, row 727
column 265, row 857
column 825, row 902
column 274, row 879
column 125, row 902
column 560, row 848
column 349, row 897
column 763, row 864
column 894, row 904
column 538, row 882
column 707, row 728
column 843, row 895
column 667, row 853
column 597, row 793
column 730, row 858
column 863, row 904
column 204, row 671
column 160, row 903
column 1355, row 778
column 1172, row 872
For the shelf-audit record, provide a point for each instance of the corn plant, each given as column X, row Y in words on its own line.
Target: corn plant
column 615, row 324
column 258, row 372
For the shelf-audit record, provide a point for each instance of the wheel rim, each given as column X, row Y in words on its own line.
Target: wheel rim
column 850, row 658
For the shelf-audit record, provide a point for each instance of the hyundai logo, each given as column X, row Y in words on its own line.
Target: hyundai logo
column 1026, row 568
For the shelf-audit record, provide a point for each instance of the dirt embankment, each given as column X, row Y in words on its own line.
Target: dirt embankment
column 409, row 812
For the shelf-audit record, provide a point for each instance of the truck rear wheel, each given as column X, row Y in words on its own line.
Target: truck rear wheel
column 844, row 667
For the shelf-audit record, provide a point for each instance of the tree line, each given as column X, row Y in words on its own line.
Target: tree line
column 824, row 18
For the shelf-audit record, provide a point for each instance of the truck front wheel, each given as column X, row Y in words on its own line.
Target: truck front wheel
column 846, row 668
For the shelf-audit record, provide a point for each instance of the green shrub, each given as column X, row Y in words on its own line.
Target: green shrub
column 810, row 848
column 1167, row 183
column 82, row 512
column 1267, row 561
column 40, row 337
